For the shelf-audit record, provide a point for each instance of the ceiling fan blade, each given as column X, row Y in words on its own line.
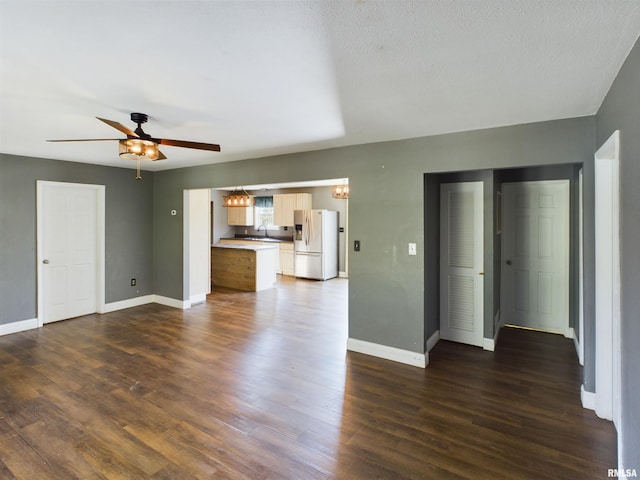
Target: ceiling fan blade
column 182, row 143
column 86, row 140
column 119, row 126
column 161, row 156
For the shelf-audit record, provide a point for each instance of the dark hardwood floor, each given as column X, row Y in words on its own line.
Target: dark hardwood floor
column 259, row 386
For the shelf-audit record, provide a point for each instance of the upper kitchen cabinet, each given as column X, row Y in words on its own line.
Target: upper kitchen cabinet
column 239, row 216
column 285, row 204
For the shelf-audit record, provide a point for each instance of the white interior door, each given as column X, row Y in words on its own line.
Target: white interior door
column 461, row 262
column 68, row 250
column 535, row 255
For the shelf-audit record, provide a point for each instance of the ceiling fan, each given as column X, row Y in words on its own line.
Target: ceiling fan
column 140, row 145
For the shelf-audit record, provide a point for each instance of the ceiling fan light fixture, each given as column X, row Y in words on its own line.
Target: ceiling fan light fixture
column 138, row 149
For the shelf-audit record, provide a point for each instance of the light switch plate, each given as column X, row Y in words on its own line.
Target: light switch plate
column 412, row 249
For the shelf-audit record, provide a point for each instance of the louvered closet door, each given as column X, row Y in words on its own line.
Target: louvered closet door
column 461, row 262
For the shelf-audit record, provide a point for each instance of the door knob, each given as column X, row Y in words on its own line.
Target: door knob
column 508, row 262
column 45, row 261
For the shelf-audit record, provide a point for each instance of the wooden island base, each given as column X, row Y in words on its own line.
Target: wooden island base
column 243, row 267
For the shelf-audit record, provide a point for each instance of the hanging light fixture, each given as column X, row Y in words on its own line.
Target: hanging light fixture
column 138, row 149
column 238, row 199
column 340, row 191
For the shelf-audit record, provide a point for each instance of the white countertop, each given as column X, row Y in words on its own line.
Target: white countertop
column 247, row 246
column 259, row 239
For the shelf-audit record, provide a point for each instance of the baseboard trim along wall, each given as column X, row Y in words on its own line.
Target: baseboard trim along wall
column 488, row 344
column 137, row 301
column 19, row 326
column 200, row 298
column 432, row 340
column 389, row 353
column 576, row 343
column 30, row 324
column 570, row 333
column 588, row 399
column 172, row 302
column 128, row 303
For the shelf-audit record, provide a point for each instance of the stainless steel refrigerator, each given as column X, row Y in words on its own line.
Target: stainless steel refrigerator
column 315, row 244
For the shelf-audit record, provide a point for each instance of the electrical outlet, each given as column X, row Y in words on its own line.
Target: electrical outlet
column 133, row 282
column 412, row 249
column 356, row 245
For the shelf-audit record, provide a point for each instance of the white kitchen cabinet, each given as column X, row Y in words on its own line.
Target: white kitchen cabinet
column 286, row 259
column 283, row 207
column 303, row 201
column 285, row 204
column 240, row 216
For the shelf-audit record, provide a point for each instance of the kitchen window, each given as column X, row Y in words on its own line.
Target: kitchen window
column 263, row 212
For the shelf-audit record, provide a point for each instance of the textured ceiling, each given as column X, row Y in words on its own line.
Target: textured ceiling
column 268, row 77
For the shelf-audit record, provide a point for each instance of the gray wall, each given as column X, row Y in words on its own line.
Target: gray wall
column 386, row 210
column 621, row 111
column 221, row 229
column 128, row 241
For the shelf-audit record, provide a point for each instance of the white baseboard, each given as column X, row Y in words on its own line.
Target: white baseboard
column 19, row 326
column 137, row 301
column 488, row 344
column 343, row 275
column 588, row 399
column 128, row 303
column 172, row 302
column 576, row 343
column 30, row 324
column 389, row 353
column 432, row 340
column 570, row 333
column 200, row 298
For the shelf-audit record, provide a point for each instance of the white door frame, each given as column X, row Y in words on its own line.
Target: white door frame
column 197, row 244
column 607, row 280
column 580, row 348
column 100, row 247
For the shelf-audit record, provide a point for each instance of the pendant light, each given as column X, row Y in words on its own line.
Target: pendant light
column 340, row 191
column 238, row 199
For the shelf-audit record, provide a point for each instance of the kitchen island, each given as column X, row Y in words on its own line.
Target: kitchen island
column 243, row 267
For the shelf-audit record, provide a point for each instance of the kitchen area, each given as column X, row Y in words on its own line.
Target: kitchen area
column 261, row 232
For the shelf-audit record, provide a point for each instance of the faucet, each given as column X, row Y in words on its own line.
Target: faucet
column 265, row 230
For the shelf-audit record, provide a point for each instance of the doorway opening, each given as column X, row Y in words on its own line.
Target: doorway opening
column 219, row 227
column 494, row 318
